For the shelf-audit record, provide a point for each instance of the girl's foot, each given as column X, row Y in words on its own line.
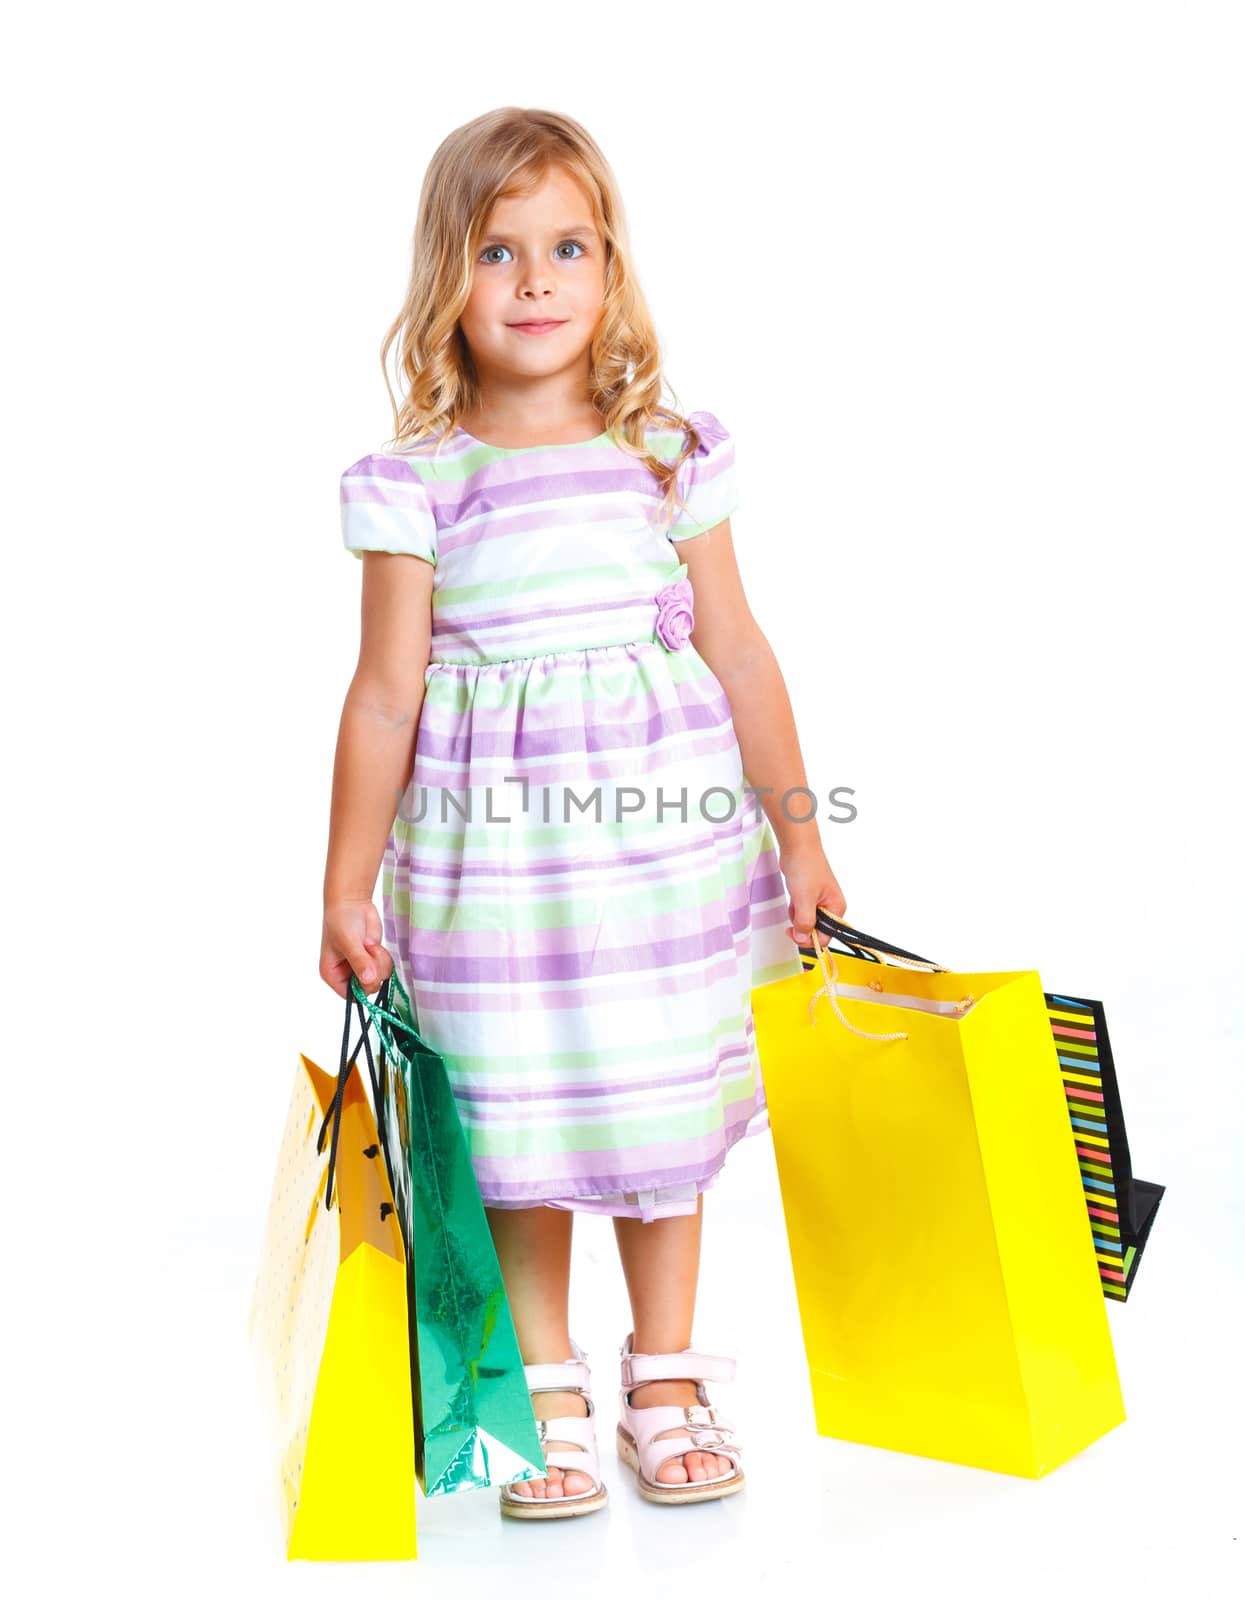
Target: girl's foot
column 556, row 1403
column 694, row 1466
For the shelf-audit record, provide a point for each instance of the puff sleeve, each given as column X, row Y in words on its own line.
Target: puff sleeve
column 706, row 480
column 384, row 506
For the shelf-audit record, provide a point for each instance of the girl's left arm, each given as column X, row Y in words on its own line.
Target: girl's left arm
column 729, row 639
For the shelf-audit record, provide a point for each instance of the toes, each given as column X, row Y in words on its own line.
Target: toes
column 559, row 1483
column 694, row 1466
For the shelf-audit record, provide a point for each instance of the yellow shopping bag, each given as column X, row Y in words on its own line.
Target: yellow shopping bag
column 947, row 1282
column 329, row 1332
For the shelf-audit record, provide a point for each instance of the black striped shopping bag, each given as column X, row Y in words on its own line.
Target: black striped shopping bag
column 1121, row 1208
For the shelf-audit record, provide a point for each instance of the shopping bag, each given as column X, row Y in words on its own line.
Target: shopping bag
column 474, row 1423
column 947, row 1284
column 328, row 1328
column 1120, row 1208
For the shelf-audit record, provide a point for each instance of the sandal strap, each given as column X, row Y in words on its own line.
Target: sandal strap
column 575, row 1430
column 575, row 1461
column 649, row 1420
column 570, row 1374
column 641, row 1368
column 645, row 1422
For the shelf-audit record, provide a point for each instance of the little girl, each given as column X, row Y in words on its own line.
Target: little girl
column 559, row 688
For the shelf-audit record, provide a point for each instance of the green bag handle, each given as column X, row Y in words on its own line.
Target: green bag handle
column 382, row 1013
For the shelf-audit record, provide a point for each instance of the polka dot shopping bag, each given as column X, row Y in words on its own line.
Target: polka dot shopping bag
column 329, row 1330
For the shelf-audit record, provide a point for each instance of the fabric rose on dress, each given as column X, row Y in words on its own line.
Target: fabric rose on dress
column 674, row 614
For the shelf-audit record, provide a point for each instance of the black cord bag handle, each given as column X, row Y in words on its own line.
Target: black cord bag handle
column 860, row 944
column 346, row 1066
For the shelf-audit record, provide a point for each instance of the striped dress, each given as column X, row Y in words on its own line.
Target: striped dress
column 578, row 893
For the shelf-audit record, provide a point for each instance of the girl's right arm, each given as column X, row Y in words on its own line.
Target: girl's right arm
column 372, row 765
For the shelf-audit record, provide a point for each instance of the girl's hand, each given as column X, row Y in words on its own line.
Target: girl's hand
column 351, row 942
column 810, row 883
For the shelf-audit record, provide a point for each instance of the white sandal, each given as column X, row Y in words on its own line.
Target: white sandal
column 576, row 1431
column 702, row 1427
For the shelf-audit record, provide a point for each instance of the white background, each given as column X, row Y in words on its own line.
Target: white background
column 964, row 281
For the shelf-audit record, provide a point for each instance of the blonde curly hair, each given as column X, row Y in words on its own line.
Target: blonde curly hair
column 502, row 153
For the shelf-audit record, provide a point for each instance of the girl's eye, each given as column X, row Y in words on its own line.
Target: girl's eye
column 494, row 247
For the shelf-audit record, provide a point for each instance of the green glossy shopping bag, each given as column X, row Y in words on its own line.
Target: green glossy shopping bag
column 474, row 1424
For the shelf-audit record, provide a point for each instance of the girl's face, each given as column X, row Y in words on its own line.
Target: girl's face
column 541, row 260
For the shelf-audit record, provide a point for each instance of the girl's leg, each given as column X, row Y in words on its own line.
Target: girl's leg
column 534, row 1250
column 661, row 1263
